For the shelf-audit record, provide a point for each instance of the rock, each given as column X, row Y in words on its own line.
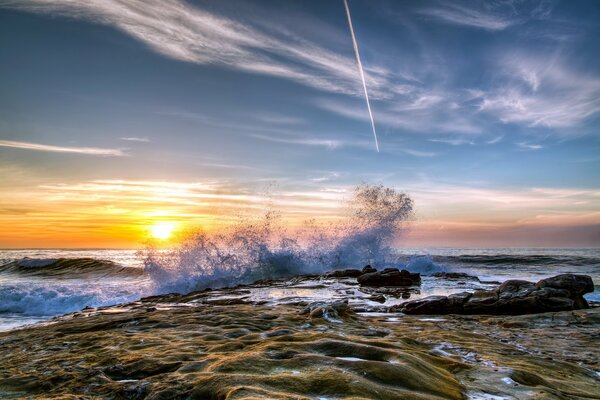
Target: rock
column 368, row 269
column 454, row 275
column 379, row 298
column 350, row 272
column 513, row 297
column 434, row 304
column 331, row 312
column 344, row 273
column 575, row 284
column 389, row 277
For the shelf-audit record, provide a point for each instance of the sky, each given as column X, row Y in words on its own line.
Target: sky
column 119, row 116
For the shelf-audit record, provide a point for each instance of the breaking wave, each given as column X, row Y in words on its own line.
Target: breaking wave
column 261, row 248
column 68, row 268
column 41, row 298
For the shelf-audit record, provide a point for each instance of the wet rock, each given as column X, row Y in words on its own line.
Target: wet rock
column 344, row 273
column 435, row 304
column 513, row 297
column 379, row 298
column 332, row 312
column 389, row 277
column 368, row 269
column 577, row 285
column 350, row 272
column 454, row 275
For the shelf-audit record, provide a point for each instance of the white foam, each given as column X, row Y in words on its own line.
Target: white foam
column 486, row 396
column 55, row 297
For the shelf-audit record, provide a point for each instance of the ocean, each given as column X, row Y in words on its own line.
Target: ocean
column 39, row 284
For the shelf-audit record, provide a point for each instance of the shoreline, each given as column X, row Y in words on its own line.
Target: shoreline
column 223, row 344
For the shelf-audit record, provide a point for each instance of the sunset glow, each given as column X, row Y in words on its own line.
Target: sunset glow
column 162, row 230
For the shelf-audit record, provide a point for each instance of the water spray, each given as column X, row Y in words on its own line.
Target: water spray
column 362, row 74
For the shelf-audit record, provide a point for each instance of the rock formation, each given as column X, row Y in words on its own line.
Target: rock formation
column 514, row 297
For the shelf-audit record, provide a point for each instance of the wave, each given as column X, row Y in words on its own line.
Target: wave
column 66, row 268
column 40, row 299
column 260, row 248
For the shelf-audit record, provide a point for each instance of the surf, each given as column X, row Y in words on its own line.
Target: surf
column 263, row 248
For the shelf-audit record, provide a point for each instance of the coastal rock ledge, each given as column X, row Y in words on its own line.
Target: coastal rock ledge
column 514, row 297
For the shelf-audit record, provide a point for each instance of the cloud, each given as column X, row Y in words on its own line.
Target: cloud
column 433, row 119
column 529, row 146
column 453, row 142
column 490, row 16
column 188, row 33
column 456, row 14
column 94, row 151
column 495, row 140
column 136, row 139
column 418, row 153
column 327, row 143
column 541, row 91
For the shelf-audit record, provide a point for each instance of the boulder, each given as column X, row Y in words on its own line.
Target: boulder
column 368, row 269
column 344, row 273
column 577, row 285
column 350, row 272
column 454, row 275
column 330, row 311
column 389, row 277
column 513, row 297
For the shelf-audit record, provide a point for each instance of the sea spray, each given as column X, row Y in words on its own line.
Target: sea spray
column 262, row 248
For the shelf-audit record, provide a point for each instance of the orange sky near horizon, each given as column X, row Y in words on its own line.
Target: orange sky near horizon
column 122, row 213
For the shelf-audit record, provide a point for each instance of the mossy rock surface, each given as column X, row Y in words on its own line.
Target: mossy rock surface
column 168, row 350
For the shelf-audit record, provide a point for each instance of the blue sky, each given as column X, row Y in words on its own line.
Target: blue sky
column 488, row 113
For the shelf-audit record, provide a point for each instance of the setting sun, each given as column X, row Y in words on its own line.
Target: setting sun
column 162, row 230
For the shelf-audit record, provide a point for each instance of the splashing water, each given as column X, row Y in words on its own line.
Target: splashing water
column 261, row 248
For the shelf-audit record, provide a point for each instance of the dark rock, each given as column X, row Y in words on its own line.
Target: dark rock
column 454, row 275
column 513, row 297
column 368, row 269
column 344, row 273
column 575, row 284
column 378, row 298
column 331, row 312
column 389, row 277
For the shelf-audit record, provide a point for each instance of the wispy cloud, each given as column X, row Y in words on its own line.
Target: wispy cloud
column 542, row 91
column 495, row 140
column 453, row 141
column 418, row 153
column 432, row 119
column 529, row 146
column 454, row 13
column 327, row 143
column 189, row 33
column 94, row 151
column 136, row 139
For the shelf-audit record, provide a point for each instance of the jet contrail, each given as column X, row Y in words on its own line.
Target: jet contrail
column 362, row 74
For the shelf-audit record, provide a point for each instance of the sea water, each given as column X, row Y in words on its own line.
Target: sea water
column 27, row 298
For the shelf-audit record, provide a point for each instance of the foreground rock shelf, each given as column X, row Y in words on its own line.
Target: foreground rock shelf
column 218, row 345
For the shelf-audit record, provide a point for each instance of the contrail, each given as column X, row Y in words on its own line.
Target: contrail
column 362, row 74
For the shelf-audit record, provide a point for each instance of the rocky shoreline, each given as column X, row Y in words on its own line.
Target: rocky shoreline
column 225, row 344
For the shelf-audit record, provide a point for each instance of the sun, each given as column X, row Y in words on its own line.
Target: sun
column 162, row 230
